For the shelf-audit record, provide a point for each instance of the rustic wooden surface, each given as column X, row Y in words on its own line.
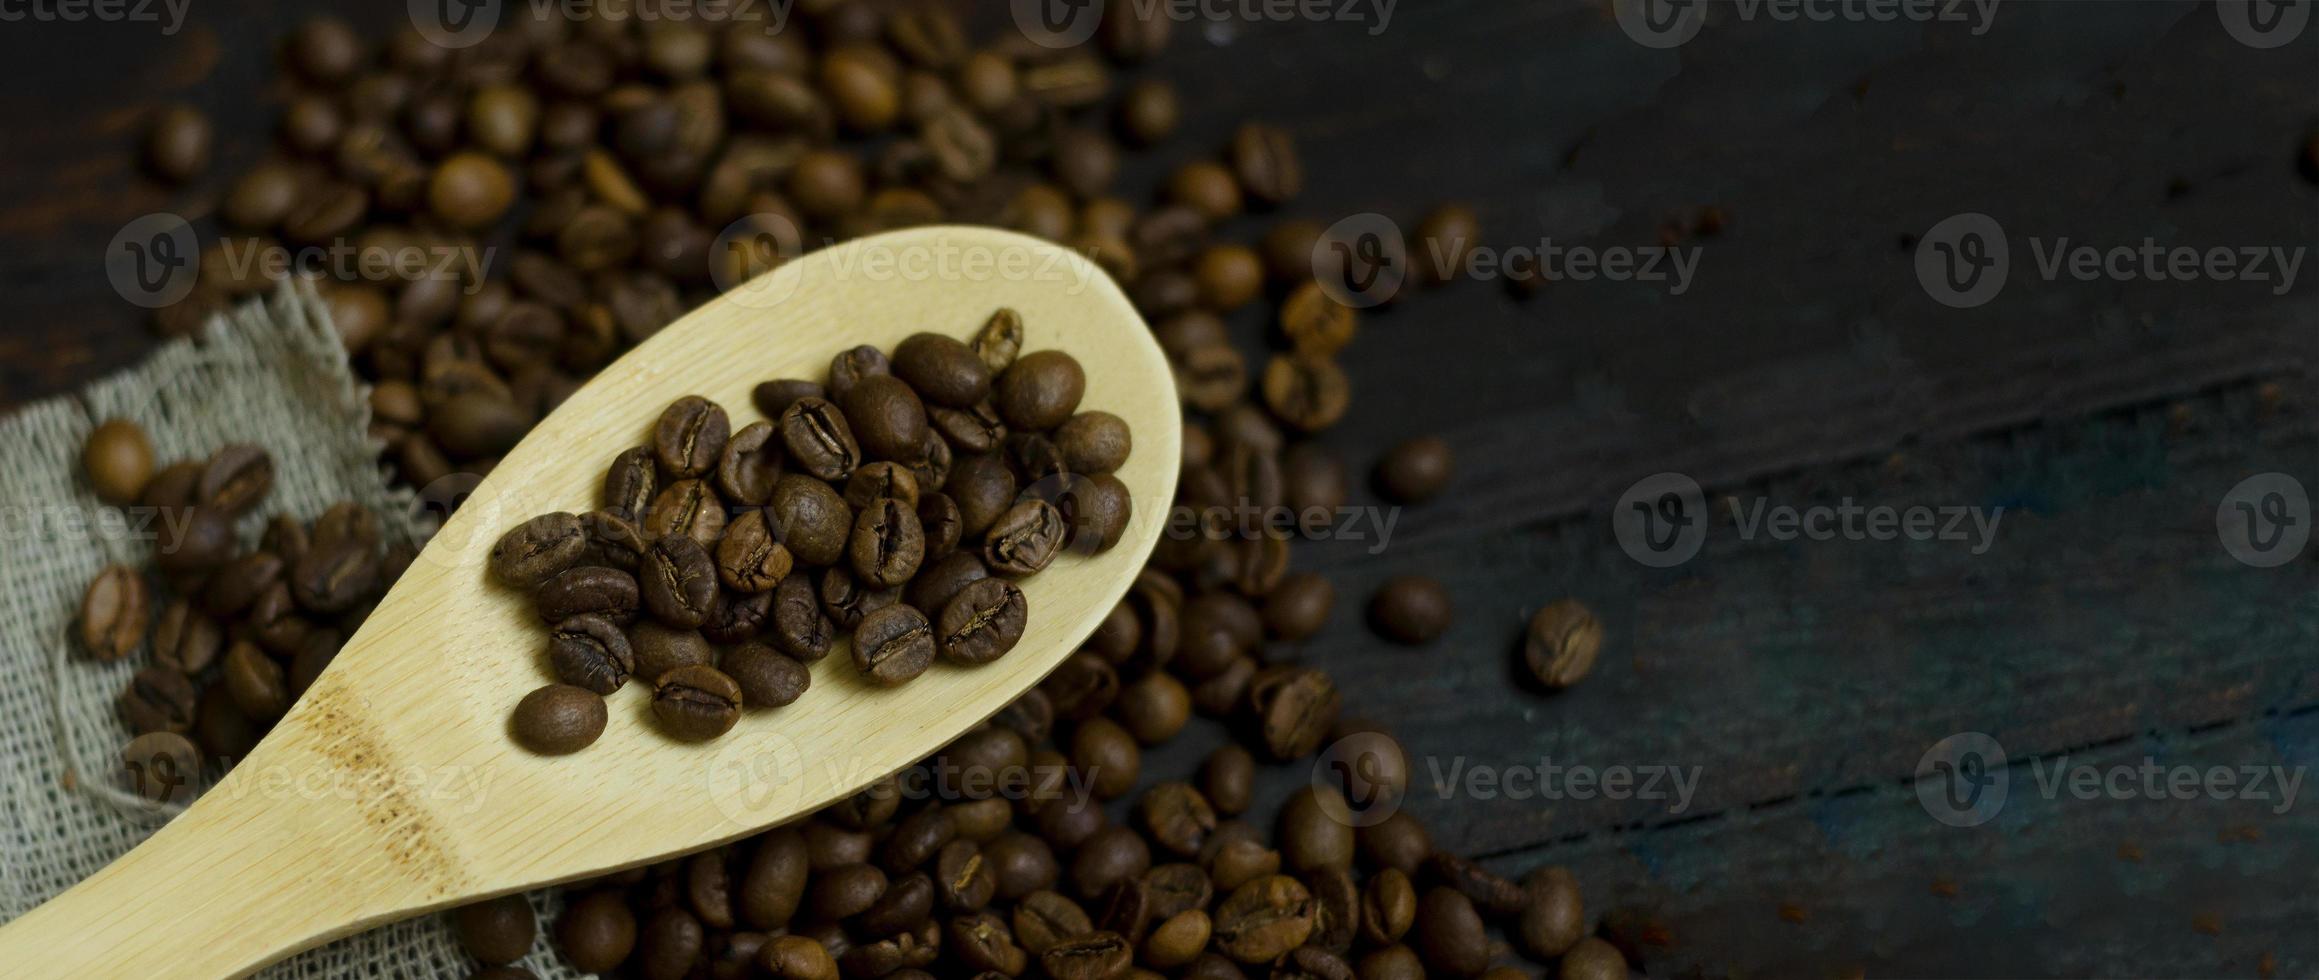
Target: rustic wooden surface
column 1805, row 365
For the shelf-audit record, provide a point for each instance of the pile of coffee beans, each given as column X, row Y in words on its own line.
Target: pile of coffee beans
column 996, row 857
column 897, row 502
column 604, row 154
column 233, row 634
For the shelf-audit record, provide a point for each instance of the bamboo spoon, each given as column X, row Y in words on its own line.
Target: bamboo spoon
column 393, row 788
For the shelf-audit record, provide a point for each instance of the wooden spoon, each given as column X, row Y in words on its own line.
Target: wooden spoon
column 393, row 788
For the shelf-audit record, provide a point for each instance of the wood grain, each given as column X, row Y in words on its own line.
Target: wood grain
column 393, row 788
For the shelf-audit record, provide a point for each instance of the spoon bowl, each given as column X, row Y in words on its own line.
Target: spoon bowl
column 393, row 787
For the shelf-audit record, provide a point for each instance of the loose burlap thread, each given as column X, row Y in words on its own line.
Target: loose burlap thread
column 270, row 373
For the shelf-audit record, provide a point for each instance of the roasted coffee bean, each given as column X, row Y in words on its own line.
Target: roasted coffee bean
column 1593, row 959
column 1031, row 716
column 885, row 416
column 1313, row 832
column 1264, row 919
column 1206, row 187
column 1450, row 935
column 1397, row 842
column 1295, row 707
column 1391, row 963
column 256, row 682
column 1155, row 708
column 846, row 891
column 1025, row 539
column 984, row 488
column 157, row 699
column 893, row 645
column 1562, row 643
column 798, row 626
column 334, row 575
column 1044, row 920
column 767, row 677
column 846, row 599
column 749, row 560
column 1108, row 756
column 887, row 545
column 810, row 519
column 669, row 945
column 1298, row 607
column 971, row 430
column 498, row 930
column 798, row 958
column 237, row 586
column 161, row 766
column 1264, row 159
column 1094, row 956
column 938, row 517
column 1388, row 907
column 1410, row 609
column 917, row 838
column 1094, row 443
column 591, row 652
column 235, row 478
column 1096, row 511
column 689, row 508
column 614, row 541
column 678, row 582
column 1000, row 340
column 852, row 365
column 586, row 590
column 1040, row 390
column 632, row 484
column 273, row 621
column 873, row 482
column 118, row 461
column 962, row 879
column 751, row 463
column 1493, row 895
column 597, row 931
column 1416, row 470
column 556, row 720
column 943, row 370
column 1177, row 817
column 773, row 398
column 538, row 550
column 906, row 905
column 1553, row 915
column 196, row 541
column 1307, row 391
column 1228, row 779
column 177, row 143
column 1082, row 687
column 982, row 941
column 1444, row 239
column 982, row 621
column 186, row 640
column 819, row 439
column 659, row 649
column 116, row 610
column 1033, row 457
column 696, row 702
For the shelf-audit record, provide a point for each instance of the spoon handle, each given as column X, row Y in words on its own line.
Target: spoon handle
column 283, row 854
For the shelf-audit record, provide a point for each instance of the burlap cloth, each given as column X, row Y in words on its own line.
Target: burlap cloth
column 270, row 373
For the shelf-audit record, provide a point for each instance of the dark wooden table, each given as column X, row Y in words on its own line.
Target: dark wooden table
column 1805, row 365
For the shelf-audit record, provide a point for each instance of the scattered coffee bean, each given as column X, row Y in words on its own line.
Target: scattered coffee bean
column 118, row 460
column 1410, row 609
column 1562, row 643
column 559, row 719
